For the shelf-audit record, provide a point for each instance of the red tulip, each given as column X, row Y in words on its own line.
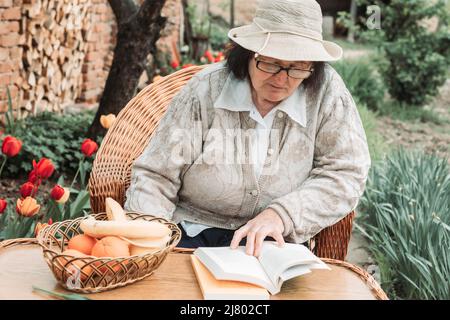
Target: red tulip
column 209, row 56
column 89, row 147
column 11, row 146
column 219, row 57
column 60, row 194
column 50, row 221
column 174, row 64
column 3, row 205
column 26, row 189
column 43, row 169
column 32, row 177
column 57, row 192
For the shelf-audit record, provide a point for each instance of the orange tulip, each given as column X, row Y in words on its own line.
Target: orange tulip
column 11, row 146
column 107, row 121
column 39, row 227
column 27, row 207
column 43, row 169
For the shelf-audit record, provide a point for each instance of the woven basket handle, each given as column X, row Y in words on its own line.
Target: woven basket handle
column 19, row 241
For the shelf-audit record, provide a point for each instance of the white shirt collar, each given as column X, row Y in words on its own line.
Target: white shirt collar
column 236, row 96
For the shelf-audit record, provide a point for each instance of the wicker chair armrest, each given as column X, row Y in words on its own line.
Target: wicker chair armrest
column 332, row 242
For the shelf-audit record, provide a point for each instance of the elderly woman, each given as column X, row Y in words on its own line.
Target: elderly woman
column 267, row 144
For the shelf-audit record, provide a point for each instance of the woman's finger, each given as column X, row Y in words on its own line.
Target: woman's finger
column 278, row 238
column 239, row 234
column 250, row 245
column 262, row 234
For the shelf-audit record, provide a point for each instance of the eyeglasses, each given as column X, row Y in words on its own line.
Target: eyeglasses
column 272, row 68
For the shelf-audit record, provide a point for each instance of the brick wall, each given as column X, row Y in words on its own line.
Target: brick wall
column 10, row 50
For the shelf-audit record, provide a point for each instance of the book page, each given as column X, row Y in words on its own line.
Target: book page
column 293, row 272
column 299, row 270
column 275, row 260
column 234, row 264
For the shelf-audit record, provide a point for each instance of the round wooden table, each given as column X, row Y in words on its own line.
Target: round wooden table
column 22, row 266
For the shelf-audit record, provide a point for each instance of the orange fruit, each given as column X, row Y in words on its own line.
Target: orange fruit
column 75, row 266
column 82, row 243
column 111, row 247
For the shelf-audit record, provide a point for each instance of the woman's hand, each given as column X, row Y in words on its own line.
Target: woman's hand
column 267, row 223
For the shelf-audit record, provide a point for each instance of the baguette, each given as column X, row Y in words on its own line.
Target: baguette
column 148, row 242
column 129, row 229
column 114, row 210
column 146, row 245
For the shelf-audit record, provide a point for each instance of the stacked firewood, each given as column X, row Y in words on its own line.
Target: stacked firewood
column 54, row 51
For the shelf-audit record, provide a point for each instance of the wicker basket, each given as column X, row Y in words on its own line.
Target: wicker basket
column 91, row 274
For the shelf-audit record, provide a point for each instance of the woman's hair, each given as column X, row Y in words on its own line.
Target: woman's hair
column 238, row 58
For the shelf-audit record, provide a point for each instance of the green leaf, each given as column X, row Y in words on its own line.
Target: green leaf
column 72, row 296
column 82, row 174
column 80, row 203
column 61, row 180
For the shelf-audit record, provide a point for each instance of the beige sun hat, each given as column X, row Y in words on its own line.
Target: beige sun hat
column 288, row 30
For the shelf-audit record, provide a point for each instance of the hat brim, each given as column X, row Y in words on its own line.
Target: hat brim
column 285, row 46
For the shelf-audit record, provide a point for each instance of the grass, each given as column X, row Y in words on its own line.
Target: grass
column 347, row 45
column 377, row 146
column 399, row 111
column 405, row 212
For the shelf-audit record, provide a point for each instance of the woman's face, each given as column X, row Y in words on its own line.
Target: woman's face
column 275, row 87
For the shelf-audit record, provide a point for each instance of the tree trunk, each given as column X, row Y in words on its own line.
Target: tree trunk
column 231, row 13
column 138, row 30
column 353, row 12
column 188, row 33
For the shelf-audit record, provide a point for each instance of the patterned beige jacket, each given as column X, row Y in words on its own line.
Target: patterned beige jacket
column 198, row 165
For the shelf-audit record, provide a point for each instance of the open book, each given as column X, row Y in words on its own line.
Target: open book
column 274, row 265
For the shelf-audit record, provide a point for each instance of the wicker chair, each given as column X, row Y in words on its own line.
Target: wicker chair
column 129, row 135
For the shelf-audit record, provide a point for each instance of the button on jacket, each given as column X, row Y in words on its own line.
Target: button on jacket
column 199, row 165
